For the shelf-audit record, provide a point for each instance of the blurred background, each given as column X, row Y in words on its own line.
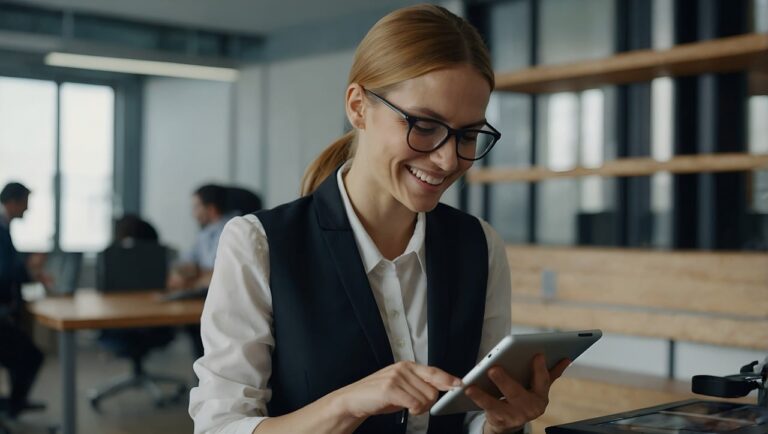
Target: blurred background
column 109, row 108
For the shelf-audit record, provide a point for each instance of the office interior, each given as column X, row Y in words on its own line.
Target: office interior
column 653, row 179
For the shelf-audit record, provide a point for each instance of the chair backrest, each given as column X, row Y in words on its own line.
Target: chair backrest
column 64, row 268
column 132, row 266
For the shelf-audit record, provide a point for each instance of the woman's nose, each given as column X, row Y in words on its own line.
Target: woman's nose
column 445, row 156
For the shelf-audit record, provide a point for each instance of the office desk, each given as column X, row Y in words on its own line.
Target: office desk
column 89, row 309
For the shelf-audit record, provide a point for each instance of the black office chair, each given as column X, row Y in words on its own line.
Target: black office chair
column 135, row 266
column 136, row 345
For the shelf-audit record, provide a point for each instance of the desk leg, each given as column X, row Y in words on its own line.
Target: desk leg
column 68, row 390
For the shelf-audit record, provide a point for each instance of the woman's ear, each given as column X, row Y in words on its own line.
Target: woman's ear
column 355, row 106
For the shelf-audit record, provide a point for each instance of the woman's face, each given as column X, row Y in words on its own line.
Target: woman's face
column 456, row 96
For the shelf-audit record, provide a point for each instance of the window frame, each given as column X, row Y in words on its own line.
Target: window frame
column 126, row 153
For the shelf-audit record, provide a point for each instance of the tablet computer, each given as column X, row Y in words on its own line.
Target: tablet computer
column 514, row 353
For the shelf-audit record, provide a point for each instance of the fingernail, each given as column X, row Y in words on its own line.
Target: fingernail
column 456, row 382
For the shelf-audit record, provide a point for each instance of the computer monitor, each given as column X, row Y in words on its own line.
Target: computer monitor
column 132, row 266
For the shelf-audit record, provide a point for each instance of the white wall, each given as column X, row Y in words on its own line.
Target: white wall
column 186, row 143
column 260, row 133
column 305, row 114
column 248, row 126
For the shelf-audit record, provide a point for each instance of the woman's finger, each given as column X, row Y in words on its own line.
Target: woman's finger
column 438, row 378
column 485, row 401
column 422, row 391
column 510, row 388
column 497, row 413
column 558, row 370
column 427, row 391
column 541, row 380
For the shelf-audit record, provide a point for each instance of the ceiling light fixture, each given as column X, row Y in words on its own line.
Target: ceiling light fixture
column 143, row 67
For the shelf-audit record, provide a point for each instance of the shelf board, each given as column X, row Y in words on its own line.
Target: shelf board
column 626, row 167
column 744, row 52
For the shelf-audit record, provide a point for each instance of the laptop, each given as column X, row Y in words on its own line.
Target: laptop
column 64, row 269
column 132, row 266
column 689, row 417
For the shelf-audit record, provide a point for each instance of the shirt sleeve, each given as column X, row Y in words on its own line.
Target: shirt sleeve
column 236, row 329
column 497, row 321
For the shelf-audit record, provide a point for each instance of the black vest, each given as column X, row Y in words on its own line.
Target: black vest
column 327, row 327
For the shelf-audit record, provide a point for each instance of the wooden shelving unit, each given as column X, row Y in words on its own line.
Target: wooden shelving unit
column 688, row 296
column 736, row 53
column 626, row 167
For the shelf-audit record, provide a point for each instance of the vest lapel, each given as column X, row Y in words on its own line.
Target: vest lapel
column 343, row 250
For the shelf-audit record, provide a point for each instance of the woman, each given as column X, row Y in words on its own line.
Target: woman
column 349, row 309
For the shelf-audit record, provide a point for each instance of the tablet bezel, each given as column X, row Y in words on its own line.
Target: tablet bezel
column 514, row 353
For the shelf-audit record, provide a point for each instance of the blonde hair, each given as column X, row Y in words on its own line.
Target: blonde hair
column 405, row 44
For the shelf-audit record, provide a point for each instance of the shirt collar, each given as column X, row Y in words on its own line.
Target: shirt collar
column 370, row 253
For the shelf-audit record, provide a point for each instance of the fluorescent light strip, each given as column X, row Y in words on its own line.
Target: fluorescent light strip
column 144, row 67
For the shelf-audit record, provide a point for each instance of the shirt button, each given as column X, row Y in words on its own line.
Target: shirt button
column 394, row 314
column 399, row 343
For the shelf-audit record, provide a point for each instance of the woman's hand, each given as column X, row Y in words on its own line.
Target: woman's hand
column 404, row 385
column 518, row 406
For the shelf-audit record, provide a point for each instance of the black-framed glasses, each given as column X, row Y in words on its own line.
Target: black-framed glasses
column 426, row 135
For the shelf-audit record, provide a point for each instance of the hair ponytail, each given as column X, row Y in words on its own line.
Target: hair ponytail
column 327, row 162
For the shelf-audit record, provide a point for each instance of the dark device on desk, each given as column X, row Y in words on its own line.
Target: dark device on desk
column 752, row 376
column 693, row 416
column 132, row 266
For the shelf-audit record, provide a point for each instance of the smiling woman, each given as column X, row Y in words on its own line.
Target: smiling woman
column 351, row 308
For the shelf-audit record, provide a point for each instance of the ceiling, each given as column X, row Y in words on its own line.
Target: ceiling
column 246, row 16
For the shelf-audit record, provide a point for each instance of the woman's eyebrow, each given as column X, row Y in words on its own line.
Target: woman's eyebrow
column 435, row 115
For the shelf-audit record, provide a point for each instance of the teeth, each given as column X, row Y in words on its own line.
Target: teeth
column 424, row 177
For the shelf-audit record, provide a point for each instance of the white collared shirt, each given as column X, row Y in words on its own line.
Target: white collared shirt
column 236, row 325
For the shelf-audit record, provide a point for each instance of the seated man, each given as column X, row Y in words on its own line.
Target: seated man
column 195, row 268
column 17, row 351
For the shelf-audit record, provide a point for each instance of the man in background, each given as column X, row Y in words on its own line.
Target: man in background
column 195, row 268
column 210, row 209
column 17, row 351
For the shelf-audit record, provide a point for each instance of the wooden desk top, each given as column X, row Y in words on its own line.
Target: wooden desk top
column 89, row 309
